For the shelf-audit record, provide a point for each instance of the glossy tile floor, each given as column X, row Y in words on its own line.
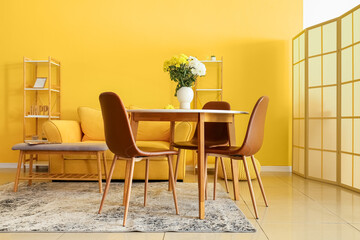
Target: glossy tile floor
column 299, row 209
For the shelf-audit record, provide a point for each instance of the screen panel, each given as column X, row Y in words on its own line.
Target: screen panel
column 322, row 102
column 299, row 104
column 350, row 99
column 330, row 119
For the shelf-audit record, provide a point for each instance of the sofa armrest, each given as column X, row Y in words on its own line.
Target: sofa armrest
column 62, row 131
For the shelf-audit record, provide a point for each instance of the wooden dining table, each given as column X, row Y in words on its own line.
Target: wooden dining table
column 201, row 117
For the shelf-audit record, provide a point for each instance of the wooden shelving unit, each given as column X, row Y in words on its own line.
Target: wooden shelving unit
column 218, row 89
column 219, row 83
column 45, row 101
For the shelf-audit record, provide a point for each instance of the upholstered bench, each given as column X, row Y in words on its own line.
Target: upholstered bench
column 97, row 149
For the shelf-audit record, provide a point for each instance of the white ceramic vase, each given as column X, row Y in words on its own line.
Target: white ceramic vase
column 185, row 95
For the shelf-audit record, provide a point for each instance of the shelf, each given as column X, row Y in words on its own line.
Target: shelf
column 209, row 90
column 41, row 89
column 41, row 61
column 211, row 61
column 60, row 176
column 41, row 116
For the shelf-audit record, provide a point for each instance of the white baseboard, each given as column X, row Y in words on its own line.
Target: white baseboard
column 14, row 165
column 263, row 168
column 276, row 168
column 8, row 165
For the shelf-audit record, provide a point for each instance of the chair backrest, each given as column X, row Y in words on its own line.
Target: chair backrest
column 215, row 133
column 255, row 131
column 118, row 134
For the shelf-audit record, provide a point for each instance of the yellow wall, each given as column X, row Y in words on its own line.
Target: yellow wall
column 120, row 46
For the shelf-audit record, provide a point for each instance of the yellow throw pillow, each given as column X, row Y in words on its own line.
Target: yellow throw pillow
column 92, row 124
column 152, row 131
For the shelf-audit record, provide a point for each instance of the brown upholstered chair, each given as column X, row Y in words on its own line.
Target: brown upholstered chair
column 120, row 140
column 216, row 134
column 251, row 145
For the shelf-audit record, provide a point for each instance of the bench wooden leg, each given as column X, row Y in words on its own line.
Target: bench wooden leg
column 21, row 156
column 99, row 171
column 30, row 168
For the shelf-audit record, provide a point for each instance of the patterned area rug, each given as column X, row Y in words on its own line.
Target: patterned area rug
column 73, row 206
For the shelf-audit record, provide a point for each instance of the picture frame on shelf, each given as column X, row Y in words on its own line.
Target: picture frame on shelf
column 40, row 82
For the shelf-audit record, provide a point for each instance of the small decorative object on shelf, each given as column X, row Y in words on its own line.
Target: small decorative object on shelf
column 40, row 82
column 39, row 110
column 213, row 58
column 184, row 71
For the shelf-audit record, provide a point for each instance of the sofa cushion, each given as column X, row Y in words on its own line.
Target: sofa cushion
column 92, row 124
column 148, row 131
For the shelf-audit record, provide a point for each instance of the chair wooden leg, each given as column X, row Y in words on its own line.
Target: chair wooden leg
column 105, row 165
column 172, row 182
column 146, row 180
column 250, row 187
column 215, row 176
column 107, row 183
column 128, row 192
column 98, row 158
column 235, row 173
column 169, row 185
column 21, row 156
column 177, row 166
column 30, row 168
column 205, row 174
column 224, row 172
column 126, row 180
column 259, row 180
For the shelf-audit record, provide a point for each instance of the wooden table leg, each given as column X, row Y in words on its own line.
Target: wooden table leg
column 201, row 155
column 171, row 141
column 234, row 164
column 134, row 126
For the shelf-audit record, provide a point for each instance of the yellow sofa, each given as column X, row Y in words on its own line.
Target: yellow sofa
column 90, row 128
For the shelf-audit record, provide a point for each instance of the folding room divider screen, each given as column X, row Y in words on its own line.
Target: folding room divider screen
column 326, row 101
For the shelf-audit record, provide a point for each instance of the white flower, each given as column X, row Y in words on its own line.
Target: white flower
column 197, row 67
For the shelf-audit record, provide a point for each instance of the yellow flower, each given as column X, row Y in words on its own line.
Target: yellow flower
column 176, row 61
column 169, row 106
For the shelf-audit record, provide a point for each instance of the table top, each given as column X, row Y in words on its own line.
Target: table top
column 185, row 111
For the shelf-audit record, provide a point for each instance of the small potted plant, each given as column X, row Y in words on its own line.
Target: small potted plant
column 213, row 58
